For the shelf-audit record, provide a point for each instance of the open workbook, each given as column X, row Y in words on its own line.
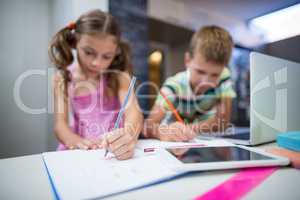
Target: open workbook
column 80, row 174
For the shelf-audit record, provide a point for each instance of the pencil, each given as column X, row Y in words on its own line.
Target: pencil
column 173, row 109
column 121, row 112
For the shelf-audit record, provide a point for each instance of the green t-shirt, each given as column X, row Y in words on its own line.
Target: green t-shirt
column 191, row 107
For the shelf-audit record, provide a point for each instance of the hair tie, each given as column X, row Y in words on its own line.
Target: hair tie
column 71, row 25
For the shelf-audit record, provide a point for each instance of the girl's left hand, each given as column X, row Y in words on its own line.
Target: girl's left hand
column 120, row 142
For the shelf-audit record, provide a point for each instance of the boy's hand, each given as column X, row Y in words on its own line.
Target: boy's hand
column 177, row 132
column 120, row 142
column 293, row 156
column 204, row 86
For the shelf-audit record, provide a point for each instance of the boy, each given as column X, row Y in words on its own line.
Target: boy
column 202, row 95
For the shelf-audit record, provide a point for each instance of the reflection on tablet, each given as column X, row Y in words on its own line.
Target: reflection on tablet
column 215, row 154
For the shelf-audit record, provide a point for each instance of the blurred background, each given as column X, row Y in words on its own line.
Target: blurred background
column 159, row 33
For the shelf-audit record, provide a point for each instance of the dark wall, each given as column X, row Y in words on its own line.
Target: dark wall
column 288, row 49
column 132, row 16
column 169, row 34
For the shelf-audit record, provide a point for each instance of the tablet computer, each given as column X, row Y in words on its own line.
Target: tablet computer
column 216, row 158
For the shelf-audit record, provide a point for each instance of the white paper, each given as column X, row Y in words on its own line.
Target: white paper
column 153, row 143
column 80, row 174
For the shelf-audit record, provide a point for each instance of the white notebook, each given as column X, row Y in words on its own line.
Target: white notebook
column 80, row 174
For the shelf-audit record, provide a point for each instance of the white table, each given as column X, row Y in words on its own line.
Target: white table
column 26, row 178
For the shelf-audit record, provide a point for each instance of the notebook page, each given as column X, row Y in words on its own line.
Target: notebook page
column 80, row 174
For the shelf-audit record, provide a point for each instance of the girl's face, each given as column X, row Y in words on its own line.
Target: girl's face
column 203, row 75
column 96, row 52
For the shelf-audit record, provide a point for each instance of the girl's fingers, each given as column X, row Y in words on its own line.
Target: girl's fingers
column 71, row 147
column 82, row 146
column 87, row 143
column 123, row 149
column 94, row 146
column 114, row 135
column 125, row 156
column 104, row 143
column 90, row 144
column 124, row 140
column 98, row 143
column 100, row 146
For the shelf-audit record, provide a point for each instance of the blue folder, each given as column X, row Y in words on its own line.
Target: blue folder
column 289, row 140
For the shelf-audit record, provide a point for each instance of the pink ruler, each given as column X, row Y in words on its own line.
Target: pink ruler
column 239, row 185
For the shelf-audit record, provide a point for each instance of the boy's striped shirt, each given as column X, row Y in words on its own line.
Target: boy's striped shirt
column 194, row 108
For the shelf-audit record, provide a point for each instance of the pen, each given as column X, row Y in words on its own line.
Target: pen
column 120, row 114
column 173, row 109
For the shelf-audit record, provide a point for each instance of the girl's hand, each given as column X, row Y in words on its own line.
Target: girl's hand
column 176, row 132
column 76, row 142
column 120, row 142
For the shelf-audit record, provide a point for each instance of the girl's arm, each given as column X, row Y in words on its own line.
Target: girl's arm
column 61, row 128
column 133, row 119
column 122, row 141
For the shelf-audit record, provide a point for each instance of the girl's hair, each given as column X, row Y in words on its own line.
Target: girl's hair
column 93, row 22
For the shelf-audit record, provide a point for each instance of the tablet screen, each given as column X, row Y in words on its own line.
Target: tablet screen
column 215, row 154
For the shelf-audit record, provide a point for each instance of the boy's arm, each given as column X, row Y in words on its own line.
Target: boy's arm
column 157, row 113
column 152, row 123
column 175, row 131
column 217, row 123
column 223, row 108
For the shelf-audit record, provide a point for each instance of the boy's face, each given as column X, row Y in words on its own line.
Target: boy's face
column 203, row 74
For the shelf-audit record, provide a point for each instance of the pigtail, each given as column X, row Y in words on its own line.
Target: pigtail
column 60, row 52
column 122, row 62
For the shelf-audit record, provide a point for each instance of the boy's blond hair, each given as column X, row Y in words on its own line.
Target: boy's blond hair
column 213, row 43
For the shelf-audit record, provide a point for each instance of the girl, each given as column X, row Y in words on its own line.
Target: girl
column 93, row 87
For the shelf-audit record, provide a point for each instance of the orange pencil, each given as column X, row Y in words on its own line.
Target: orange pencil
column 175, row 112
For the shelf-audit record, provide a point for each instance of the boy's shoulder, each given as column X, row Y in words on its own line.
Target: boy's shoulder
column 179, row 78
column 177, row 82
column 226, row 74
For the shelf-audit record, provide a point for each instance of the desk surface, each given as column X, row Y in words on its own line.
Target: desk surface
column 25, row 178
